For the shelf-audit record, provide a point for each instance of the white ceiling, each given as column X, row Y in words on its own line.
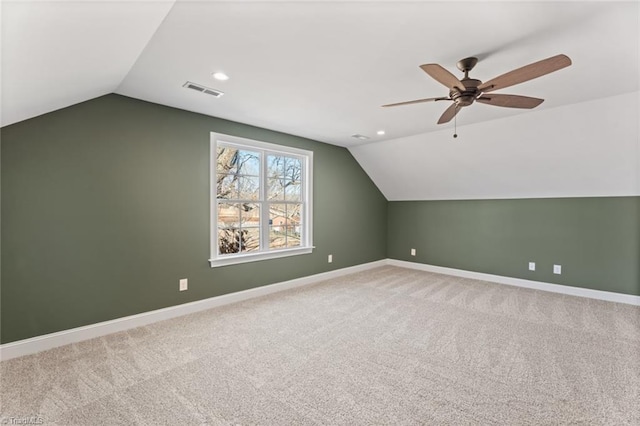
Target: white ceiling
column 591, row 149
column 59, row 53
column 315, row 69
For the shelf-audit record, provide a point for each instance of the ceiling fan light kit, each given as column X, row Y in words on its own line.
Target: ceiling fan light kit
column 469, row 90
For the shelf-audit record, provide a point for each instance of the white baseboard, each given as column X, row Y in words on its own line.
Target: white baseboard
column 65, row 337
column 519, row 282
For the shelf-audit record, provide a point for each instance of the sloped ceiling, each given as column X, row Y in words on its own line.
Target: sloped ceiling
column 322, row 69
column 314, row 69
column 590, row 149
column 59, row 53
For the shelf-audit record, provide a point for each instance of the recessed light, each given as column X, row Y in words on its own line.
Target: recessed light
column 220, row 76
column 380, row 132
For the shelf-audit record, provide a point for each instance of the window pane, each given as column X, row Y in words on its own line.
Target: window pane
column 248, row 188
column 248, row 163
column 226, row 160
column 294, row 213
column 277, row 214
column 275, row 166
column 228, row 240
column 293, row 236
column 226, row 186
column 277, row 225
column 292, row 191
column 228, row 215
column 237, row 161
column 275, row 189
column 277, row 238
column 250, row 215
column 292, row 169
column 250, row 239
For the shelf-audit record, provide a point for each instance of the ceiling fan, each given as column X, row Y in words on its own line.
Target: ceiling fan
column 468, row 90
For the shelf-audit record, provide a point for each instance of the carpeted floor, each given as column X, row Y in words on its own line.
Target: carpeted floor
column 385, row 346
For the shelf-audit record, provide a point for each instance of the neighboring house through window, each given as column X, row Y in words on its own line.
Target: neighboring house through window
column 260, row 200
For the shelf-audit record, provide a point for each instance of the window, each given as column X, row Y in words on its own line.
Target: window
column 260, row 200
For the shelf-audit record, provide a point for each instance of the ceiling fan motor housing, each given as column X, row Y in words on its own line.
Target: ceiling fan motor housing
column 467, row 96
column 465, row 65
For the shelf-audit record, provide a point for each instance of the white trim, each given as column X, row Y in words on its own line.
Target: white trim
column 519, row 282
column 254, row 257
column 65, row 337
column 306, row 160
column 241, row 142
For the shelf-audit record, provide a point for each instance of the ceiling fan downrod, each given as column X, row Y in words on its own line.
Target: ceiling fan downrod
column 455, row 125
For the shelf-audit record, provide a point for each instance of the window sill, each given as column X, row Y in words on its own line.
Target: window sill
column 255, row 257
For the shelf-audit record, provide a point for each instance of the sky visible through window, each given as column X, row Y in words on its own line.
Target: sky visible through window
column 240, row 200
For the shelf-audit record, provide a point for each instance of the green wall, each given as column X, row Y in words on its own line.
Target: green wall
column 596, row 240
column 105, row 205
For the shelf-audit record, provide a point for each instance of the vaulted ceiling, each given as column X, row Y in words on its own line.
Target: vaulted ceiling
column 323, row 69
column 314, row 69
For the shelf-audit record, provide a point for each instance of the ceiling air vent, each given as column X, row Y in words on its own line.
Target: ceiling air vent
column 203, row 89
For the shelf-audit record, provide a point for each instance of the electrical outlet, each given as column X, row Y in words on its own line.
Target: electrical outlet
column 184, row 284
column 557, row 269
column 532, row 266
column 330, row 258
column 413, row 252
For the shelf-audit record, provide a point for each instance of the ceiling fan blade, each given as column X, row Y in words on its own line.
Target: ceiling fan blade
column 510, row 101
column 442, row 76
column 449, row 113
column 526, row 73
column 417, row 101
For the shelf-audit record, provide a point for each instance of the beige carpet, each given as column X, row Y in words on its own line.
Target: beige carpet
column 386, row 346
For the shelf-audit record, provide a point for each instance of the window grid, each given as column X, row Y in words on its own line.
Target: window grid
column 294, row 232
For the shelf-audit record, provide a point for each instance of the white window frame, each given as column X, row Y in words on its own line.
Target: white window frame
column 306, row 158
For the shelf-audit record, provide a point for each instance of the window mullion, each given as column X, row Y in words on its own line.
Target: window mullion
column 264, row 204
column 214, row 229
column 303, row 201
